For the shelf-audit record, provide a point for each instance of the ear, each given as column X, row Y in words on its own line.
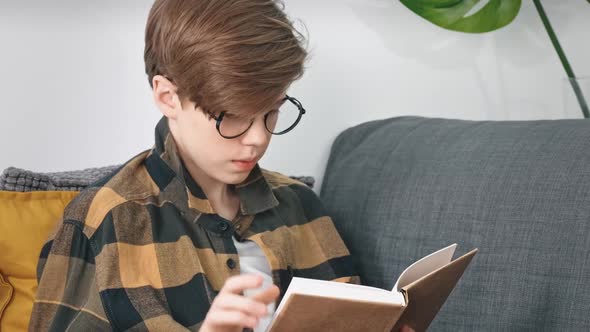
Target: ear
column 165, row 97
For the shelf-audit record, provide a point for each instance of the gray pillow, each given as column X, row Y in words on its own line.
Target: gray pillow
column 18, row 179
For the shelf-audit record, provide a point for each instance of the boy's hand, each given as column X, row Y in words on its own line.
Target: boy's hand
column 232, row 312
column 406, row 328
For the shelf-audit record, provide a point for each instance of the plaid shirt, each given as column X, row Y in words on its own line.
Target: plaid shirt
column 144, row 250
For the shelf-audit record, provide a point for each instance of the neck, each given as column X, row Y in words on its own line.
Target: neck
column 213, row 189
column 222, row 197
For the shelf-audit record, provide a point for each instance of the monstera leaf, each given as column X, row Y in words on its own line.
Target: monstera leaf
column 455, row 14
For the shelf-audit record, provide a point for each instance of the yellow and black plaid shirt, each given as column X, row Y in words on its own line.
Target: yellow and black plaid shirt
column 144, row 250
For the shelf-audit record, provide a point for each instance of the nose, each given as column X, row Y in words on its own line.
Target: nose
column 257, row 134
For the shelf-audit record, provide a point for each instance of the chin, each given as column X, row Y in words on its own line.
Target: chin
column 235, row 178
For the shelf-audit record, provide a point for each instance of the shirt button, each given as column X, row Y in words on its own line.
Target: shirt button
column 238, row 226
column 231, row 263
column 223, row 226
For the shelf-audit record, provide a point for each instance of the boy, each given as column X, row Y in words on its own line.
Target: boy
column 193, row 234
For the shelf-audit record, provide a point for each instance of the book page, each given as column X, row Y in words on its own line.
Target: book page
column 340, row 290
column 424, row 266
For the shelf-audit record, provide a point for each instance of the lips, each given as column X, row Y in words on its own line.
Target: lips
column 246, row 164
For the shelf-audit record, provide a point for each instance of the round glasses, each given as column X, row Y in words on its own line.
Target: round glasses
column 278, row 121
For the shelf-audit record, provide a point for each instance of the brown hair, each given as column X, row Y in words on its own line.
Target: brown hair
column 224, row 55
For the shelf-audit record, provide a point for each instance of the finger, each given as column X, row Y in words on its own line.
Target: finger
column 239, row 303
column 237, row 284
column 268, row 295
column 231, row 318
column 406, row 328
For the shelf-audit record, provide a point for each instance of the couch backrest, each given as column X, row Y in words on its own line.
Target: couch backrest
column 401, row 188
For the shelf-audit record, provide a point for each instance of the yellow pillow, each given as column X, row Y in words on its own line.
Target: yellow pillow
column 27, row 219
column 6, row 291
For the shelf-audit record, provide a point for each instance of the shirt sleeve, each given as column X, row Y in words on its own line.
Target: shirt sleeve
column 339, row 265
column 67, row 297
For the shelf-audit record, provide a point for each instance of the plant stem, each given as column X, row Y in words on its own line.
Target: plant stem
column 563, row 58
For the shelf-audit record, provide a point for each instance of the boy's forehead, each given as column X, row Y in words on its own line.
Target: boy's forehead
column 255, row 111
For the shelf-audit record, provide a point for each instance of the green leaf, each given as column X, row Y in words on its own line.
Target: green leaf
column 450, row 14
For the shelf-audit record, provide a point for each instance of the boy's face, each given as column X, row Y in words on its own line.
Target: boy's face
column 212, row 156
column 203, row 149
column 208, row 156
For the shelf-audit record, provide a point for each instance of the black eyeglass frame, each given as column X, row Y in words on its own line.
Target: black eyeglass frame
column 296, row 102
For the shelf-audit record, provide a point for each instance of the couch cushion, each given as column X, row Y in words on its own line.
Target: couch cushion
column 27, row 219
column 403, row 187
column 18, row 179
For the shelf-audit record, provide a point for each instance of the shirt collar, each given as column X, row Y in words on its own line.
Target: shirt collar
column 255, row 193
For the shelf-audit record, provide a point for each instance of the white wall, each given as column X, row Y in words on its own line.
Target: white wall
column 74, row 94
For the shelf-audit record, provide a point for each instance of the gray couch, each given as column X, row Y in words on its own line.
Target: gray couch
column 401, row 188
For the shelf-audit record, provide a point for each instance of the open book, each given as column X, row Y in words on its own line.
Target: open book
column 419, row 293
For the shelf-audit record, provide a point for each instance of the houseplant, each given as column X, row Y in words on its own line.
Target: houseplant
column 466, row 16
